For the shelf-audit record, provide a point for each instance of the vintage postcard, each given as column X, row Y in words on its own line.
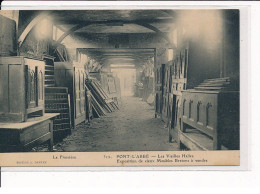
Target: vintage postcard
column 120, row 87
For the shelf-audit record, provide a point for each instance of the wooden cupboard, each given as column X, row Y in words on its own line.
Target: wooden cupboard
column 192, row 63
column 21, row 88
column 72, row 76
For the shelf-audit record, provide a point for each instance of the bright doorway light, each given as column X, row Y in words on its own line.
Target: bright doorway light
column 127, row 78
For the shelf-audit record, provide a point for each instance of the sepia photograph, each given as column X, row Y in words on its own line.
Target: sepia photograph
column 119, row 87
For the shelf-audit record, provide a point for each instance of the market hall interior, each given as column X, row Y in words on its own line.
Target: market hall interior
column 119, row 80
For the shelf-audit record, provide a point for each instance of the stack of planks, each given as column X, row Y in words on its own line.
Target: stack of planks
column 102, row 102
column 98, row 111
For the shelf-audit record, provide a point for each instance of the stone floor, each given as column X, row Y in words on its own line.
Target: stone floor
column 132, row 128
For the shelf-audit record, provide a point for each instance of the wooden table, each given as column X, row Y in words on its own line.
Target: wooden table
column 22, row 136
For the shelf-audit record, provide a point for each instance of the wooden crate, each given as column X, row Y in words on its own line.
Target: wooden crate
column 21, row 88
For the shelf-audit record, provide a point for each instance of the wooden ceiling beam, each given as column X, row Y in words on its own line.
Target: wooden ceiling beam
column 121, row 50
column 31, row 25
column 137, row 22
column 116, row 22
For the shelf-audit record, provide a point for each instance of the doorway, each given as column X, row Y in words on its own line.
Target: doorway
column 127, row 77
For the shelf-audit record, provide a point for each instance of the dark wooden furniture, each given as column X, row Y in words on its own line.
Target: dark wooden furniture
column 211, row 111
column 23, row 136
column 192, row 63
column 177, row 83
column 148, row 87
column 21, row 88
column 89, row 113
column 140, row 91
column 57, row 100
column 166, row 92
column 159, row 80
column 49, row 70
column 8, row 42
column 72, row 76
